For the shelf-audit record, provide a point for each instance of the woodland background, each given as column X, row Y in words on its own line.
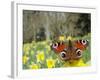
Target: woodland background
column 42, row 25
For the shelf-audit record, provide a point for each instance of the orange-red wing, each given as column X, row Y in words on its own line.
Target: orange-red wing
column 60, row 48
column 80, row 45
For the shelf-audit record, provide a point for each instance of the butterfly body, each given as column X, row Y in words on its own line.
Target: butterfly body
column 71, row 51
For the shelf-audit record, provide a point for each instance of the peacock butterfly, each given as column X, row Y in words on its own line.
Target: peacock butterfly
column 71, row 50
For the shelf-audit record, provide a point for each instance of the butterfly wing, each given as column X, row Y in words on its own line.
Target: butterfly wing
column 58, row 46
column 81, row 44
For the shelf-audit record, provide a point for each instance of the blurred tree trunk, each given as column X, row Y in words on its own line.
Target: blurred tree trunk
column 44, row 25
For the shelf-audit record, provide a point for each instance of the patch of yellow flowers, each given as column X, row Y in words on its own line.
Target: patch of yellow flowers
column 25, row 59
column 34, row 66
column 44, row 58
column 63, row 38
column 40, row 56
column 50, row 63
column 77, row 63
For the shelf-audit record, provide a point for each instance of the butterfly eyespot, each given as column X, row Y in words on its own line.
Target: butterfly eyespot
column 79, row 53
column 55, row 45
column 63, row 55
column 84, row 42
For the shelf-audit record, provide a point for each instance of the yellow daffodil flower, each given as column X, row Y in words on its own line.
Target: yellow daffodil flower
column 40, row 56
column 34, row 66
column 75, row 63
column 61, row 38
column 25, row 59
column 50, row 63
column 69, row 38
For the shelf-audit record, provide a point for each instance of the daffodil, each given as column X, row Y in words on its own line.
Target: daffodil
column 61, row 38
column 25, row 59
column 40, row 56
column 50, row 63
column 69, row 38
column 75, row 63
column 34, row 66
